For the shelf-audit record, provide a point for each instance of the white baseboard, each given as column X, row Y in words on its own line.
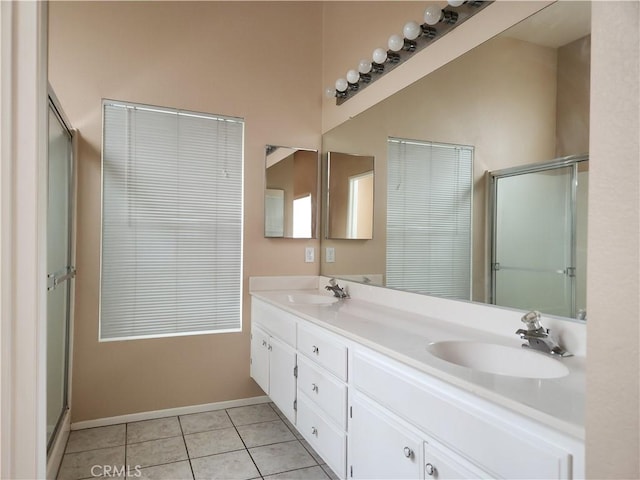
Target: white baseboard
column 54, row 458
column 169, row 412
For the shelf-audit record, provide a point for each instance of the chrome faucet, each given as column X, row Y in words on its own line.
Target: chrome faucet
column 539, row 337
column 337, row 290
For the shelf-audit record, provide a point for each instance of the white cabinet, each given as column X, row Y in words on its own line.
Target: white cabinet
column 322, row 394
column 259, row 368
column 273, row 355
column 379, row 448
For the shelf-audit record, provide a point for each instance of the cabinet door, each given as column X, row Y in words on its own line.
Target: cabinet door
column 260, row 357
column 378, row 445
column 282, row 382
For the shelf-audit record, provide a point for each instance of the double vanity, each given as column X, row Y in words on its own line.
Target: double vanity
column 389, row 384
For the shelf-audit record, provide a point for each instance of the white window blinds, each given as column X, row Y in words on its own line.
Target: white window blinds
column 171, row 222
column 429, row 196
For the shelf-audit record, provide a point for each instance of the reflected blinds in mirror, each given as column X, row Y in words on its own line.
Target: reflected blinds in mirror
column 429, row 197
column 171, row 222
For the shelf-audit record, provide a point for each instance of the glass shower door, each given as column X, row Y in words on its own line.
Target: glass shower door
column 59, row 270
column 533, row 266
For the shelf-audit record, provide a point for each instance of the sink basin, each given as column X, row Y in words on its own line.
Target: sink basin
column 499, row 359
column 311, row 299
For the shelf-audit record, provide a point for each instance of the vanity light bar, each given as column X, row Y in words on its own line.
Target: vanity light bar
column 437, row 23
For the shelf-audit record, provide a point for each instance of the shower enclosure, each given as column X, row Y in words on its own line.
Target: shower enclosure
column 59, row 266
column 538, row 236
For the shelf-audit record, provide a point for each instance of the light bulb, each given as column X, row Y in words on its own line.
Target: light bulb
column 395, row 43
column 364, row 66
column 329, row 92
column 379, row 55
column 411, row 30
column 432, row 14
column 353, row 76
column 455, row 3
column 341, row 84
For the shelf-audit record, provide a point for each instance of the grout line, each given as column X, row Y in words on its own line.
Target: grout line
column 245, row 445
column 193, row 475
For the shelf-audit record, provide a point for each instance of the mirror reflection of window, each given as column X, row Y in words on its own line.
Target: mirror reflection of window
column 429, row 192
column 360, row 213
column 274, row 212
column 302, row 217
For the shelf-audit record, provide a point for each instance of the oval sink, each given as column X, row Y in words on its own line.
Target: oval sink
column 311, row 299
column 499, row 359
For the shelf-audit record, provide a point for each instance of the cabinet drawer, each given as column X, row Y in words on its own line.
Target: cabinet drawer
column 323, row 349
column 324, row 390
column 503, row 444
column 277, row 322
column 325, row 439
column 442, row 464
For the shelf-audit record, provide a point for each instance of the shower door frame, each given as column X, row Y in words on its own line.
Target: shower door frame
column 494, row 176
column 55, row 108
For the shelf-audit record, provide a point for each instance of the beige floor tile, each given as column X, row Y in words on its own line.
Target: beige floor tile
column 169, row 471
column 329, row 472
column 156, row 452
column 310, row 473
column 201, row 422
column 252, row 414
column 225, row 466
column 212, row 442
column 281, row 457
column 79, row 465
column 153, row 429
column 264, row 433
column 93, row 438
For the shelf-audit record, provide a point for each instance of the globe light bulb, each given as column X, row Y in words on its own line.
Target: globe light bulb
column 329, row 92
column 364, row 66
column 395, row 43
column 341, row 84
column 353, row 76
column 432, row 14
column 411, row 30
column 379, row 55
column 455, row 3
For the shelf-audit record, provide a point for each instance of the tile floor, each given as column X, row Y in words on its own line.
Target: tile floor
column 238, row 443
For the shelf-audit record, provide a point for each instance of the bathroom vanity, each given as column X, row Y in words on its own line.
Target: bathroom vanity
column 376, row 383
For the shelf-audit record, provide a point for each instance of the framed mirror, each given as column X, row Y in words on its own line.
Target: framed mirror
column 350, row 195
column 519, row 99
column 291, row 192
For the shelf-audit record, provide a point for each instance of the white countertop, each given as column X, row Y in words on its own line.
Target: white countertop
column 404, row 335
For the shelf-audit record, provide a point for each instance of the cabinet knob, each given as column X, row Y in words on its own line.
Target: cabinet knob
column 314, row 431
column 270, row 347
column 264, row 343
column 408, row 452
column 315, row 349
column 430, row 469
column 314, row 387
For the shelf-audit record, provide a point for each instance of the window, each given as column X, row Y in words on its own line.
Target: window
column 171, row 222
column 302, row 213
column 429, row 194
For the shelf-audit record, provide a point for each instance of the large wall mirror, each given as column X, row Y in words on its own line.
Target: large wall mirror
column 519, row 99
column 291, row 192
column 350, row 195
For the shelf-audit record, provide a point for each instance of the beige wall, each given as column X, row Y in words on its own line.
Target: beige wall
column 513, row 84
column 231, row 58
column 613, row 286
column 572, row 136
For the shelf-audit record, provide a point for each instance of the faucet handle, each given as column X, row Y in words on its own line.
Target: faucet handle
column 532, row 320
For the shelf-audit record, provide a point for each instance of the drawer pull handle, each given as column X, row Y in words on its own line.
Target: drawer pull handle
column 408, row 452
column 314, row 387
column 430, row 469
column 315, row 350
column 314, row 431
